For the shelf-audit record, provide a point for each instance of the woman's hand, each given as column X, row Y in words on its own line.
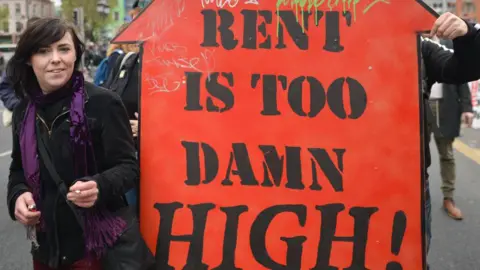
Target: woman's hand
column 83, row 194
column 134, row 126
column 22, row 212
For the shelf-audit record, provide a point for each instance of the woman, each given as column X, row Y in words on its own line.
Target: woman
column 86, row 133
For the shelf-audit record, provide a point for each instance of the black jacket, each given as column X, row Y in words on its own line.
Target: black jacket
column 115, row 159
column 456, row 100
column 456, row 66
column 443, row 65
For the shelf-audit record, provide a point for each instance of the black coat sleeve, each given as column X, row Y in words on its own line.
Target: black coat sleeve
column 465, row 97
column 117, row 140
column 17, row 184
column 457, row 66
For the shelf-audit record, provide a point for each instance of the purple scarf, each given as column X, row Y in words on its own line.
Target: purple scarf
column 101, row 228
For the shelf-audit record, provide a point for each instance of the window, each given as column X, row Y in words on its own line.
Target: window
column 117, row 16
column 468, row 8
column 19, row 27
column 34, row 10
column 6, row 26
column 18, row 8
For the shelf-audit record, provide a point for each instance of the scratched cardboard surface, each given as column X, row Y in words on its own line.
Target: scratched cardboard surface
column 380, row 52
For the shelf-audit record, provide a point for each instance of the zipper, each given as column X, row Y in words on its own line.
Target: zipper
column 49, row 130
column 45, row 124
column 53, row 123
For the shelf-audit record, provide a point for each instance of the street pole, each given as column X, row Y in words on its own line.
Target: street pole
column 27, row 10
column 79, row 21
column 81, row 18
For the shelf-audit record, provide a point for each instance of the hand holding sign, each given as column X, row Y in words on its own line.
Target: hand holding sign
column 449, row 26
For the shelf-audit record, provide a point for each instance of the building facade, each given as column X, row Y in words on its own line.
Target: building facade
column 463, row 8
column 118, row 18
column 19, row 12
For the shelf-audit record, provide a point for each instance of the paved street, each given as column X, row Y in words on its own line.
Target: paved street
column 455, row 243
column 454, row 247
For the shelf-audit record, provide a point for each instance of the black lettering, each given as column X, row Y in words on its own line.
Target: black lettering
column 332, row 27
column 318, row 17
column 270, row 106
column 209, row 28
column 196, row 239
column 329, row 215
column 294, row 168
column 193, row 163
column 317, row 96
column 193, row 91
column 226, row 35
column 219, row 91
column 262, row 29
column 294, row 245
column 348, row 17
column 273, row 165
column 230, row 237
column 333, row 173
column 250, row 29
column 210, row 31
column 244, row 166
column 358, row 98
column 295, row 28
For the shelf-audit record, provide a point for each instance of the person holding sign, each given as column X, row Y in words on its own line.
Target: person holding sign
column 73, row 155
column 451, row 104
column 441, row 65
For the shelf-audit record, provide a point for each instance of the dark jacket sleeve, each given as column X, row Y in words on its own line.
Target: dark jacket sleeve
column 7, row 94
column 117, row 140
column 465, row 97
column 16, row 180
column 457, row 66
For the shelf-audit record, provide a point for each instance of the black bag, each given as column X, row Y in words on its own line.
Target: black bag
column 125, row 81
column 126, row 68
column 130, row 252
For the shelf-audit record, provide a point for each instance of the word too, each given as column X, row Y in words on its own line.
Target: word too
column 334, row 95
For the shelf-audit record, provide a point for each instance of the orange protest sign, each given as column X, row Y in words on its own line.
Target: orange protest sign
column 281, row 134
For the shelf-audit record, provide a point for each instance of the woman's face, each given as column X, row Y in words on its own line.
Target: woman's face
column 53, row 65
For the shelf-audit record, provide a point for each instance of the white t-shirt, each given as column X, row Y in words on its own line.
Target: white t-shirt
column 436, row 91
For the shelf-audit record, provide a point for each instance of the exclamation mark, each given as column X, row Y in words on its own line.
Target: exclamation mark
column 398, row 231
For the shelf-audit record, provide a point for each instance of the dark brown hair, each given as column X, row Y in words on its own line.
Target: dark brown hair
column 40, row 33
